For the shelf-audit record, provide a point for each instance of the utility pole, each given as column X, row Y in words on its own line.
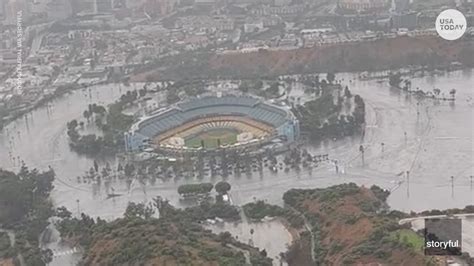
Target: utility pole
column 452, row 186
column 471, row 181
column 78, row 209
column 408, row 183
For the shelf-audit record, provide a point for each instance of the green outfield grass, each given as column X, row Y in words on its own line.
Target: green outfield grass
column 211, row 137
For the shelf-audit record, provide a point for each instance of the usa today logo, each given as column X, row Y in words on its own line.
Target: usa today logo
column 451, row 24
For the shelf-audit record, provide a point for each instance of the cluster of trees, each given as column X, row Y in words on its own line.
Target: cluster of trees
column 206, row 210
column 380, row 193
column 256, row 86
column 139, row 210
column 467, row 209
column 90, row 144
column 203, row 189
column 6, row 250
column 116, row 123
column 94, row 109
column 25, row 209
column 259, row 210
column 395, row 79
column 359, row 110
column 321, row 117
column 140, row 237
column 195, row 189
column 191, row 88
column 251, row 85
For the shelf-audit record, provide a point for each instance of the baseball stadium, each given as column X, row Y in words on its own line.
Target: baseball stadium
column 211, row 123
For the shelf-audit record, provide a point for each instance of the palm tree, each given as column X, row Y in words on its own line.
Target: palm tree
column 452, row 93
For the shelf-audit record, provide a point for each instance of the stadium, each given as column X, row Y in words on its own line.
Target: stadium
column 211, row 123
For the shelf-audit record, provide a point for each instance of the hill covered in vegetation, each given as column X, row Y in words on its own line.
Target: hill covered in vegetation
column 25, row 208
column 176, row 238
column 392, row 53
column 345, row 225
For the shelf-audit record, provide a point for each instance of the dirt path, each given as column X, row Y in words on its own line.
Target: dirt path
column 307, row 225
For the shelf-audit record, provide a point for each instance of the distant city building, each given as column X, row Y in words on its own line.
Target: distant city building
column 79, row 34
column 83, row 6
column 253, row 26
column 103, row 6
column 98, row 6
column 117, row 4
column 402, row 5
column 282, row 2
column 271, row 20
column 289, row 40
column 361, row 5
column 224, row 24
column 405, row 20
column 2, row 9
column 278, row 10
column 11, row 9
column 205, row 2
column 59, row 9
column 161, row 7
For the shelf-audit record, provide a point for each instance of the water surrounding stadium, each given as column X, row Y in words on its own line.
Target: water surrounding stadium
column 434, row 149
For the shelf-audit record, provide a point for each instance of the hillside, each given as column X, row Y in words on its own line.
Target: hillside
column 394, row 53
column 176, row 238
column 350, row 227
column 24, row 211
column 364, row 56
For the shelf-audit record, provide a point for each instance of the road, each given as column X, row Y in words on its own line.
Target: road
column 309, row 228
column 413, row 219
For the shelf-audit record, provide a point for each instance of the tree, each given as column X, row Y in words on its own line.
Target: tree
column 195, row 189
column 244, row 87
column 96, row 166
column 452, row 93
column 273, row 90
column 129, row 170
column 63, row 212
column 225, row 238
column 47, row 256
column 330, row 77
column 86, row 115
column 72, row 124
column 347, row 92
column 139, row 210
column 395, row 80
column 222, row 187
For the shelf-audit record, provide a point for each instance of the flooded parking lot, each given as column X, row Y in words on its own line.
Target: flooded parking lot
column 270, row 236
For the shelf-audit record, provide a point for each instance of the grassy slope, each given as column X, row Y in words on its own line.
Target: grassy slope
column 351, row 230
column 158, row 242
